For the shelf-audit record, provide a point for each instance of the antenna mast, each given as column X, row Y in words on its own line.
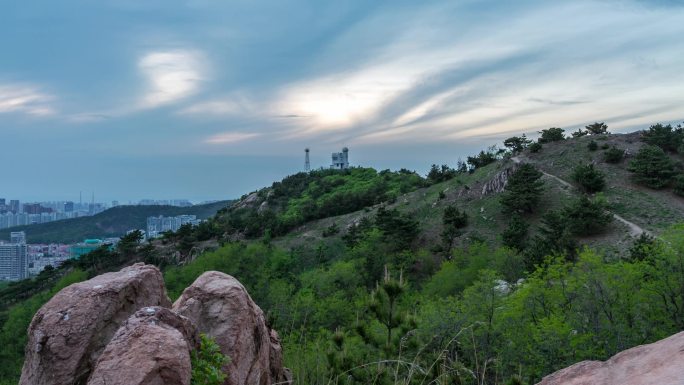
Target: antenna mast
column 307, row 164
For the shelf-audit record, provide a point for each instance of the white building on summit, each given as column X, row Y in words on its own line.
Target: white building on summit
column 340, row 160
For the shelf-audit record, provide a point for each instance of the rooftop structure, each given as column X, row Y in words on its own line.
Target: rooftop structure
column 340, row 160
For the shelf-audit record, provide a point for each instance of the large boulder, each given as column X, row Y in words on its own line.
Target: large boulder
column 68, row 334
column 153, row 347
column 221, row 308
column 659, row 363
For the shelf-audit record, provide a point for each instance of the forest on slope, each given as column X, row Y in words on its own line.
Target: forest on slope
column 390, row 277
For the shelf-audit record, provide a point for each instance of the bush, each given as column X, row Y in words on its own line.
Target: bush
column 207, row 363
column 579, row 133
column 515, row 235
column 679, row 185
column 331, row 230
column 664, row 136
column 589, row 178
column 553, row 134
column 614, row 155
column 586, row 217
column 652, row 167
column 597, row 128
column 605, row 146
column 535, row 147
column 592, row 146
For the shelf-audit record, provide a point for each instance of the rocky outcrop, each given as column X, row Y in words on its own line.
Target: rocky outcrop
column 221, row 308
column 152, row 347
column 498, row 183
column 659, row 363
column 68, row 334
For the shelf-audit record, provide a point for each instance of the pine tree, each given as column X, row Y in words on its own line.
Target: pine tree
column 523, row 190
column 589, row 178
column 652, row 167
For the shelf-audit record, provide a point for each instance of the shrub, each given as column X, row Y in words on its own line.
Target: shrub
column 553, row 134
column 592, row 146
column 664, row 136
column 207, row 363
column 679, row 185
column 586, row 217
column 597, row 128
column 515, row 235
column 614, row 155
column 331, row 230
column 589, row 178
column 605, row 146
column 652, row 167
column 535, row 147
column 579, row 133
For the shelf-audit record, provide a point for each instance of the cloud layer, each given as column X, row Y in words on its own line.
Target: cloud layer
column 433, row 80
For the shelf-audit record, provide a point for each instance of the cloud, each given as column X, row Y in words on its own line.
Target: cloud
column 25, row 99
column 171, row 76
column 230, row 137
column 224, row 106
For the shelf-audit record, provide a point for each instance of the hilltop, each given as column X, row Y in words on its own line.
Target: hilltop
column 113, row 222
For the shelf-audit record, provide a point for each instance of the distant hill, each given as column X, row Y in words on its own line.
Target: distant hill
column 109, row 223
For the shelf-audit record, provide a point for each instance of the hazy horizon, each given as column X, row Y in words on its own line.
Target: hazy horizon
column 206, row 101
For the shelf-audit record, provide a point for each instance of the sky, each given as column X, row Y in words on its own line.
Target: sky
column 206, row 100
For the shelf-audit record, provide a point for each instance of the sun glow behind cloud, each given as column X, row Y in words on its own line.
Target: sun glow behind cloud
column 171, row 76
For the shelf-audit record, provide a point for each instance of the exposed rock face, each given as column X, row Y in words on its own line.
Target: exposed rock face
column 659, row 363
column 498, row 183
column 68, row 334
column 152, row 347
column 221, row 308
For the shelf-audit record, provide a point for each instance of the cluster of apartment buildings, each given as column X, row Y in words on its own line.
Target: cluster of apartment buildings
column 156, row 226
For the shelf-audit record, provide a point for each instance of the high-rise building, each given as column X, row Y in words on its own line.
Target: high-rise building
column 18, row 237
column 13, row 262
column 69, row 207
column 14, row 206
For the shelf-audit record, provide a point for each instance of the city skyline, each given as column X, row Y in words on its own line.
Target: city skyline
column 210, row 100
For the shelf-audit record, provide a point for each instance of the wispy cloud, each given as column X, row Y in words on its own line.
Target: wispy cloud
column 171, row 76
column 230, row 137
column 25, row 99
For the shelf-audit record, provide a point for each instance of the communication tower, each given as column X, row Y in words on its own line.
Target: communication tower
column 307, row 164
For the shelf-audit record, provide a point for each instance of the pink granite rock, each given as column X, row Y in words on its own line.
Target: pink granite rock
column 68, row 334
column 221, row 308
column 153, row 347
column 660, row 363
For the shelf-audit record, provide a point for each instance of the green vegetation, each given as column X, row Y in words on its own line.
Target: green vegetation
column 614, row 155
column 110, row 223
column 666, row 137
column 523, row 190
column 402, row 279
column 590, row 179
column 552, row 134
column 592, row 146
column 517, row 143
column 679, row 185
column 207, row 363
column 535, row 147
column 598, row 128
column 652, row 167
column 304, row 197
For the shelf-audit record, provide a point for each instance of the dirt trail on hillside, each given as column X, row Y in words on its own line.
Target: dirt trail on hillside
column 634, row 229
